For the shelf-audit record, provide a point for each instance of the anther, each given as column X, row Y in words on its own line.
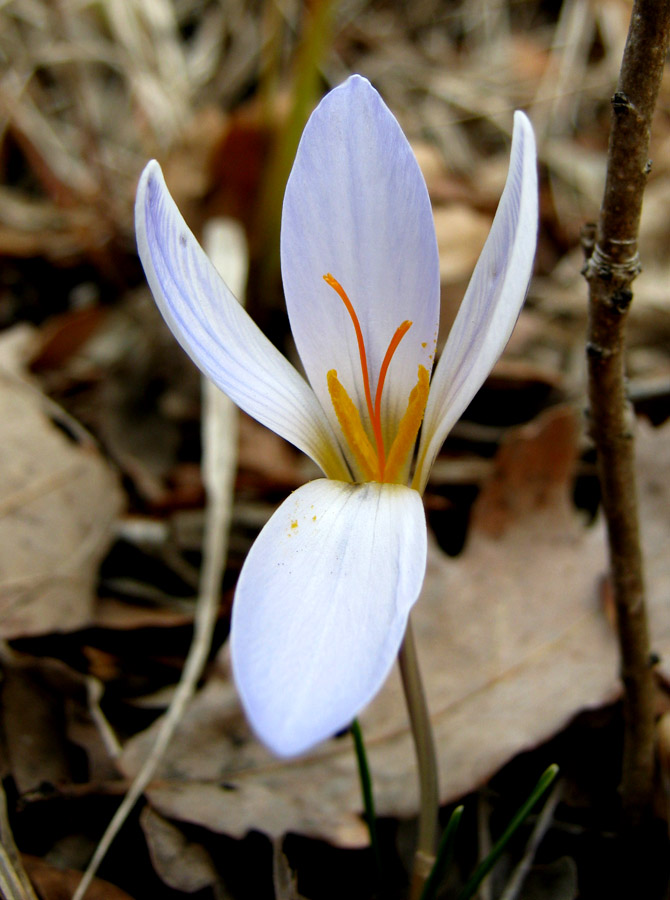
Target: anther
column 353, row 427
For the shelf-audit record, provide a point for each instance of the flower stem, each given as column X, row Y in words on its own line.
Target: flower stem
column 445, row 855
column 424, row 856
column 366, row 791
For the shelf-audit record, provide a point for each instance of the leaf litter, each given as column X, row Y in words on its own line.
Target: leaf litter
column 516, row 632
column 58, row 503
column 513, row 642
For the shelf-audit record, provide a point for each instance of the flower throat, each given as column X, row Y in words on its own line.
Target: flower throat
column 373, row 460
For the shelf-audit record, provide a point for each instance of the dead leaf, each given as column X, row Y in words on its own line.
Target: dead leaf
column 64, row 335
column 264, row 455
column 117, row 615
column 522, row 643
column 531, row 473
column 512, row 643
column 284, row 879
column 214, row 774
column 60, row 884
column 33, row 731
column 44, row 711
column 461, row 232
column 58, row 501
column 182, row 864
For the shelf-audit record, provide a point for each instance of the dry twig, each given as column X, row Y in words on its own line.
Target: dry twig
column 219, row 456
column 612, row 264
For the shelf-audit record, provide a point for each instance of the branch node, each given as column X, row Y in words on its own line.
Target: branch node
column 602, row 266
column 597, row 351
column 620, row 300
column 621, row 103
column 587, row 238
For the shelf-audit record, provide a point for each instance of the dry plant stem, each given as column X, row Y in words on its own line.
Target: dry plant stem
column 14, row 883
column 515, row 884
column 219, row 443
column 610, row 269
column 214, row 554
column 424, row 856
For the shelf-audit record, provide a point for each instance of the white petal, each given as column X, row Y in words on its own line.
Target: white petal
column 216, row 332
column 356, row 206
column 321, row 607
column 492, row 301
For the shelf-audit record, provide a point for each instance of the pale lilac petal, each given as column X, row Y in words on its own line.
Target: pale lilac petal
column 356, row 206
column 491, row 304
column 217, row 333
column 321, row 607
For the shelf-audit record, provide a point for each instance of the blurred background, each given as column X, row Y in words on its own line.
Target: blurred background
column 100, row 484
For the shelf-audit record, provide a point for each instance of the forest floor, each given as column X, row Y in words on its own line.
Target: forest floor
column 104, row 498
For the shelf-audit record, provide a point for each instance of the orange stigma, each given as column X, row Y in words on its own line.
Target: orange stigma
column 352, row 426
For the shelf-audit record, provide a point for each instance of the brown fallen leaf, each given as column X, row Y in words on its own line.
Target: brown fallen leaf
column 180, row 863
column 285, row 880
column 215, row 774
column 512, row 644
column 523, row 643
column 265, row 457
column 64, row 335
column 45, row 708
column 461, row 233
column 32, row 729
column 117, row 615
column 58, row 501
column 60, row 884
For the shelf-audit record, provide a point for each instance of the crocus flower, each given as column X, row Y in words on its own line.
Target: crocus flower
column 323, row 599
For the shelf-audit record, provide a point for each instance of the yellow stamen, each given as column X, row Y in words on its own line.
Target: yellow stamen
column 374, row 411
column 372, row 460
column 408, row 429
column 352, row 428
column 360, row 340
